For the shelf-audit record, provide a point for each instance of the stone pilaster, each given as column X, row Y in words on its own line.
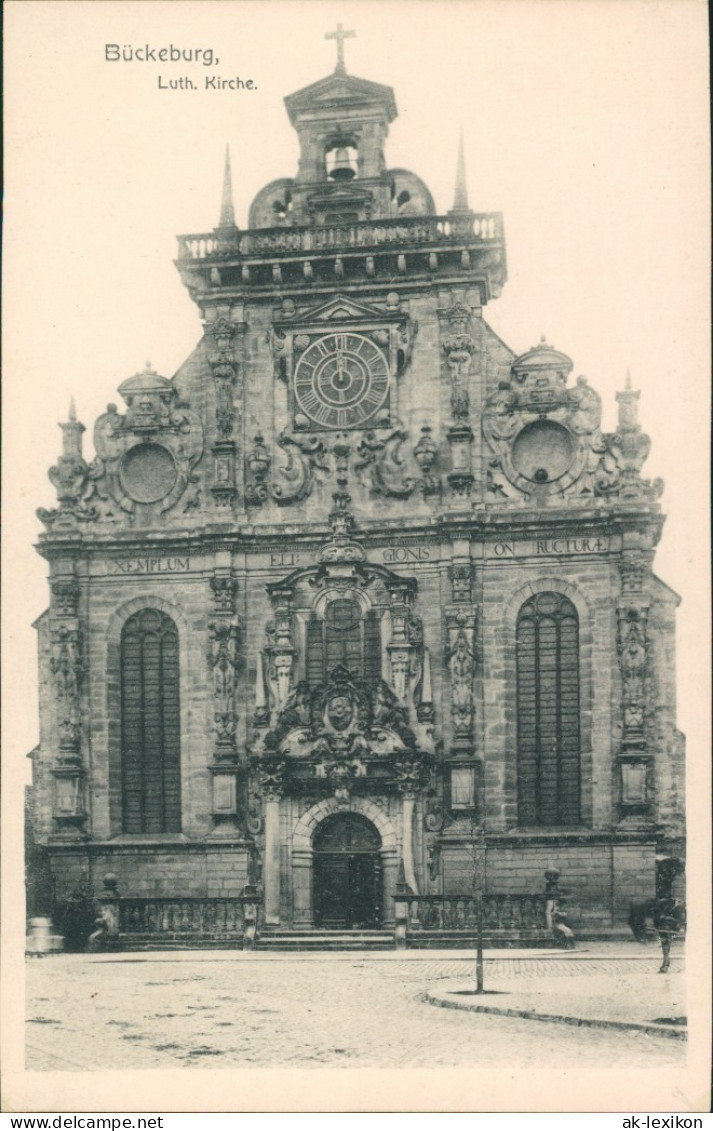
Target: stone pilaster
column 66, row 665
column 223, row 660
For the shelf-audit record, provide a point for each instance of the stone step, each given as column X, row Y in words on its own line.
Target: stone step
column 283, row 938
column 174, row 942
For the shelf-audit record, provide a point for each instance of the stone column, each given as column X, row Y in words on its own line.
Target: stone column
column 408, row 807
column 272, row 786
column 302, row 863
column 272, row 859
column 411, row 776
column 389, row 875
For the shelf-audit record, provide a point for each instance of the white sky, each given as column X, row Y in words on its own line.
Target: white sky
column 585, row 124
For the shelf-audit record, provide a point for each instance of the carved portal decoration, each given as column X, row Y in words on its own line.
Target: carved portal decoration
column 633, row 649
column 412, row 774
column 271, row 778
column 303, row 598
column 337, row 730
column 461, row 666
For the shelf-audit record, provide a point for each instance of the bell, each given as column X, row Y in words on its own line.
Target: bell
column 342, row 169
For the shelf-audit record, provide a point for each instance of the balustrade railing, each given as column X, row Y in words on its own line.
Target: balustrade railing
column 197, row 916
column 460, row 912
column 486, row 226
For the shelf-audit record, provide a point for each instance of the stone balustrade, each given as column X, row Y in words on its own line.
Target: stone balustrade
column 486, row 227
column 187, row 916
column 459, row 913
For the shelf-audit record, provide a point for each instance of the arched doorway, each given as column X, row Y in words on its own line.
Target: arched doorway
column 347, row 873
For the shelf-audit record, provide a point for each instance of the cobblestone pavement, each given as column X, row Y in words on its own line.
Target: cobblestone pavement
column 354, row 1012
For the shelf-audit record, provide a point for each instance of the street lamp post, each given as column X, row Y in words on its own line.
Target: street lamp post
column 478, row 844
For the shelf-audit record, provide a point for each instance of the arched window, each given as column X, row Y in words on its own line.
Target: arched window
column 548, row 747
column 150, row 725
column 344, row 637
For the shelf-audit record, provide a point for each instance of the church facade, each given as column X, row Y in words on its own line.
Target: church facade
column 359, row 593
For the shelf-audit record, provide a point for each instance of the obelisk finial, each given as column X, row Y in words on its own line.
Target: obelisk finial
column 460, row 199
column 227, row 211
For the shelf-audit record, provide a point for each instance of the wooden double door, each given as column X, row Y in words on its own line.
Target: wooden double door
column 347, row 873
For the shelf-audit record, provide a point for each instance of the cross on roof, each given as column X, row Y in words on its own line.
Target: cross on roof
column 340, row 35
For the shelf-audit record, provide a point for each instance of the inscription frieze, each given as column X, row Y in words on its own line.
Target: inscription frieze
column 150, row 565
column 546, row 547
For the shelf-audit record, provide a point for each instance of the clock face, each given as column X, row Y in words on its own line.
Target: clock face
column 341, row 381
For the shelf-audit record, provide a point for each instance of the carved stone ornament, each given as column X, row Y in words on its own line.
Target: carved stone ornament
column 632, row 568
column 257, row 466
column 461, row 665
column 147, row 457
column 67, row 669
column 73, row 479
column 224, row 367
column 65, row 596
column 434, row 815
column 294, row 480
column 271, row 778
column 254, row 819
column 224, row 587
column 632, row 648
column 426, row 455
column 461, row 576
column 540, row 432
column 223, row 655
column 341, row 772
column 546, row 438
column 279, row 651
column 381, row 460
column 623, row 453
column 412, row 774
column 459, row 349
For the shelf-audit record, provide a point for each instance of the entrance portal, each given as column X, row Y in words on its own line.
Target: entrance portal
column 347, row 873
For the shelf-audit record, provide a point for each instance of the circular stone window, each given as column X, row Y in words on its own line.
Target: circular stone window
column 148, row 473
column 543, row 451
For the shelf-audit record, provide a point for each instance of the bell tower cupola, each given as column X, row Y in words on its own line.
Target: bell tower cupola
column 342, row 123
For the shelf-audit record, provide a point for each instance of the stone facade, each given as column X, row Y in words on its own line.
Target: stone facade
column 335, row 538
